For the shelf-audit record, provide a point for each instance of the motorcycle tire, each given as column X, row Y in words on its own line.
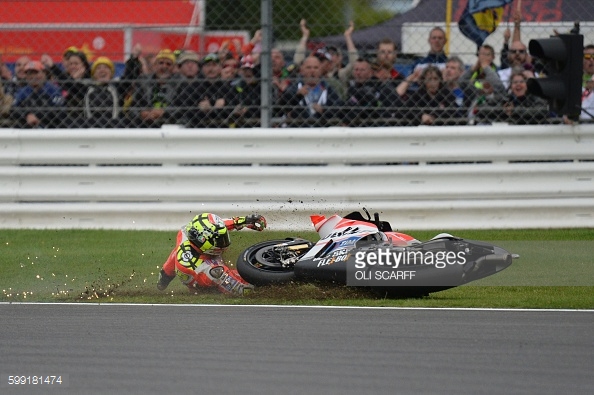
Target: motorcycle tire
column 258, row 266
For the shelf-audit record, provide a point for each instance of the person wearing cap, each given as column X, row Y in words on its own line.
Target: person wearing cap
column 188, row 64
column 245, row 97
column 104, row 97
column 40, row 103
column 205, row 101
column 211, row 66
column 310, row 100
column 155, row 94
column 67, row 52
column 214, row 95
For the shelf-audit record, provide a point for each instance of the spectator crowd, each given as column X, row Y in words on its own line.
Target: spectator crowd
column 319, row 86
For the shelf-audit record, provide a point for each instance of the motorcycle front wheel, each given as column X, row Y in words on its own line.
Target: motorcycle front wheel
column 261, row 263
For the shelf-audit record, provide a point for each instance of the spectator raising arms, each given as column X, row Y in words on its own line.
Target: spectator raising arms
column 331, row 58
column 517, row 36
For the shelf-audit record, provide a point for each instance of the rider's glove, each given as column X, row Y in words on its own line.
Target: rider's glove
column 255, row 222
column 252, row 221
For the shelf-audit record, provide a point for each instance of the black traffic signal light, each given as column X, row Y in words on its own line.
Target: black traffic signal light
column 561, row 57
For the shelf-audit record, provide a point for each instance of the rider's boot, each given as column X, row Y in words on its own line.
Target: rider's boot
column 229, row 281
column 164, row 280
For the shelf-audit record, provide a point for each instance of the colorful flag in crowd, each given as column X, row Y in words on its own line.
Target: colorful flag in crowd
column 480, row 18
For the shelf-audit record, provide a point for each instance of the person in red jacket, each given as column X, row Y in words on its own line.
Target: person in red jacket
column 197, row 259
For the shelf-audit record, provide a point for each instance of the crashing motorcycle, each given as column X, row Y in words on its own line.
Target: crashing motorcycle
column 366, row 252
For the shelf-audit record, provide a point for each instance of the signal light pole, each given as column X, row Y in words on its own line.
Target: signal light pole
column 561, row 56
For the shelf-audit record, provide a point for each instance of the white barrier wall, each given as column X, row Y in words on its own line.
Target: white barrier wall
column 496, row 176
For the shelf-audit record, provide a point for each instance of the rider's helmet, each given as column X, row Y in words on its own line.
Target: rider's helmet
column 208, row 233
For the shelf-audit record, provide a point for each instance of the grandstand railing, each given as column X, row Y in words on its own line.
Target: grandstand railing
column 451, row 177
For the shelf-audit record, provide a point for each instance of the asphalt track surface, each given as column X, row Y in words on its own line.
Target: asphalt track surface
column 198, row 349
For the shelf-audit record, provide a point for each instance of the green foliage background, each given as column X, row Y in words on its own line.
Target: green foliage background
column 328, row 17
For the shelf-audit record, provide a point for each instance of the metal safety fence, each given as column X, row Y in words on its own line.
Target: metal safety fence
column 279, row 63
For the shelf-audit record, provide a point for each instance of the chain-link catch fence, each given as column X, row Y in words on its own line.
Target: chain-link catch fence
column 278, row 63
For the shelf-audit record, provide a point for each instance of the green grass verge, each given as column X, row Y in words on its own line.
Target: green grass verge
column 555, row 270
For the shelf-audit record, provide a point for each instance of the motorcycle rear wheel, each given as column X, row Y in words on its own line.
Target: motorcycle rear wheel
column 259, row 265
